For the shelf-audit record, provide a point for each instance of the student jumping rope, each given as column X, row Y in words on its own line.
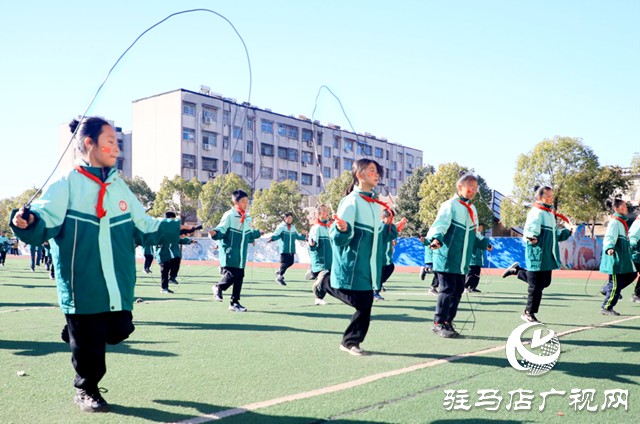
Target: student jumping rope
column 634, row 240
column 47, row 255
column 388, row 267
column 235, row 232
column 427, row 269
column 286, row 234
column 616, row 256
column 4, row 246
column 33, row 250
column 169, row 257
column 320, row 251
column 359, row 238
column 475, row 268
column 452, row 238
column 543, row 254
column 94, row 222
column 148, row 259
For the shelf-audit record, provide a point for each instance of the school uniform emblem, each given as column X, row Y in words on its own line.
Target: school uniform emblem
column 123, row 205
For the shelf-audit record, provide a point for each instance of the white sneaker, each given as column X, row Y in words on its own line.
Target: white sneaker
column 237, row 307
column 353, row 350
column 321, row 301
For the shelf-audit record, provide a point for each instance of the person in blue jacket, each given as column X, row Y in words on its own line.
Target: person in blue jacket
column 286, row 234
column 617, row 253
column 93, row 222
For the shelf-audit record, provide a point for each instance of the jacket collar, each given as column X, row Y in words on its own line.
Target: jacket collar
column 358, row 190
column 464, row 199
column 94, row 170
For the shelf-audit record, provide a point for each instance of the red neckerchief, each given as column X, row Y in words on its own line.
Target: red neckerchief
column 372, row 200
column 288, row 227
column 468, row 206
column 539, row 206
column 242, row 214
column 324, row 225
column 623, row 222
column 103, row 189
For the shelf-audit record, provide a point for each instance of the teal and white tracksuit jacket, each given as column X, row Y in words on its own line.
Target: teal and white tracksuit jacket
column 616, row 238
column 235, row 239
column 457, row 233
column 4, row 244
column 286, row 235
column 94, row 258
column 634, row 240
column 166, row 252
column 388, row 248
column 545, row 254
column 321, row 252
column 148, row 250
column 358, row 253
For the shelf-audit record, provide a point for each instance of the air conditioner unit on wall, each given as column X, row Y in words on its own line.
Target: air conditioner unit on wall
column 206, row 120
column 206, row 146
column 212, row 174
column 305, row 164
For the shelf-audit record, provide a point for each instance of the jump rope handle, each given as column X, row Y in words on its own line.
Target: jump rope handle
column 26, row 212
column 196, row 228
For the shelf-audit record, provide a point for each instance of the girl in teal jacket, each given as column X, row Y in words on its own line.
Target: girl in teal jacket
column 543, row 254
column 453, row 237
column 321, row 252
column 286, row 234
column 359, row 238
column 616, row 255
column 94, row 222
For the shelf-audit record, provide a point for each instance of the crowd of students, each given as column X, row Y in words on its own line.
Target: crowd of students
column 88, row 223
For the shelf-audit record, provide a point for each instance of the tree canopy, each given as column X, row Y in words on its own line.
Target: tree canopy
column 219, row 193
column 408, row 203
column 270, row 204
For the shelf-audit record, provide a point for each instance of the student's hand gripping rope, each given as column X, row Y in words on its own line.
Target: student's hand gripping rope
column 402, row 224
column 340, row 224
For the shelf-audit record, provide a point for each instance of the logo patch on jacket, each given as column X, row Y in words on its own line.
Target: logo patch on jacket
column 123, row 205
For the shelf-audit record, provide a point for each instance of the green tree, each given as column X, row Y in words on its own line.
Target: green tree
column 588, row 192
column 439, row 187
column 218, row 192
column 407, row 202
column 635, row 163
column 334, row 191
column 9, row 204
column 552, row 162
column 141, row 190
column 177, row 195
column 270, row 204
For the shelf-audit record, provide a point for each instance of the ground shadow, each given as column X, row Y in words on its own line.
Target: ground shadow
column 230, row 327
column 27, row 305
column 32, row 348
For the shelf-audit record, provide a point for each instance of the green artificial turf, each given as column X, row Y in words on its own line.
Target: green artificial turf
column 191, row 356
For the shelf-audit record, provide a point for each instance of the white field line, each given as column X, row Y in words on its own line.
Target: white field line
column 369, row 379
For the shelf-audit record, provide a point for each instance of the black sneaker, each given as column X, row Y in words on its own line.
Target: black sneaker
column 173, row 281
column 442, row 331
column 602, row 292
column 528, row 317
column 433, row 291
column 317, row 289
column 91, row 401
column 635, row 298
column 382, row 288
column 166, row 291
column 217, row 293
column 512, row 270
column 474, row 291
column 423, row 272
column 235, row 306
column 64, row 335
column 449, row 326
column 280, row 280
column 608, row 312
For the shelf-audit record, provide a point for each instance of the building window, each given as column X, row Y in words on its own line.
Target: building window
column 209, row 113
column 400, row 158
column 267, row 126
column 379, row 152
column 250, row 123
column 282, row 129
column 282, row 174
column 188, row 108
column 336, row 163
column 225, row 142
column 293, row 155
column 120, row 144
column 393, row 183
column 306, row 157
column 319, row 138
column 189, row 161
column 237, row 132
column 249, row 147
column 266, row 173
column 266, row 150
column 393, row 166
column 307, row 135
column 327, row 152
column 188, row 134
column 293, row 132
column 237, row 156
column 209, row 138
column 348, row 163
column 226, row 117
column 209, row 164
column 293, row 175
column 336, row 143
column 307, row 179
column 248, row 170
column 225, row 166
column 318, row 181
column 400, row 176
column 360, row 149
column 327, row 172
column 348, row 144
column 119, row 164
column 282, row 152
column 409, row 159
column 418, row 161
column 387, row 155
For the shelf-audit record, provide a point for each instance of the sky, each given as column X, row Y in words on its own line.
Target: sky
column 475, row 82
